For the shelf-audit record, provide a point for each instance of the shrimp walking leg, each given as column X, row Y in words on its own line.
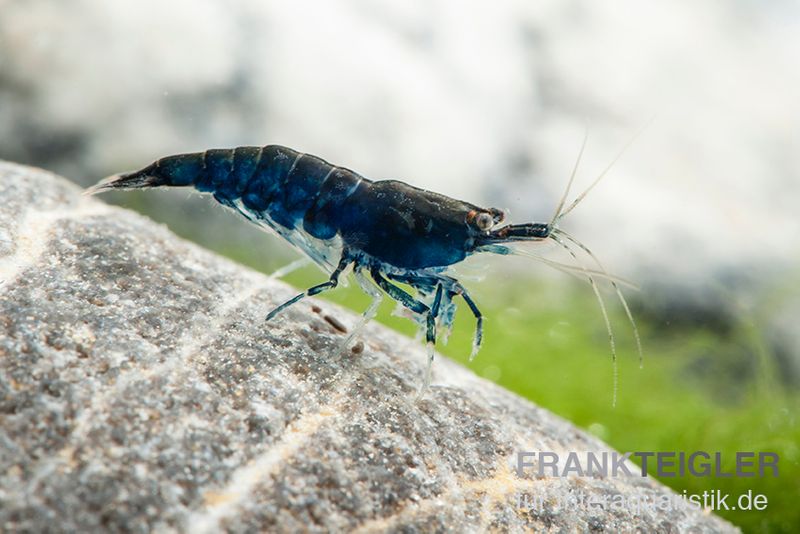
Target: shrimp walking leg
column 369, row 313
column 315, row 290
column 398, row 294
column 289, row 268
column 453, row 287
column 417, row 307
column 476, row 341
column 424, row 285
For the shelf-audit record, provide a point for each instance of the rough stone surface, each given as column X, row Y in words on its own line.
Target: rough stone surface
column 140, row 389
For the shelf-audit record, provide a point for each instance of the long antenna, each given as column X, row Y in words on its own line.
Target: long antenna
column 571, row 179
column 605, row 171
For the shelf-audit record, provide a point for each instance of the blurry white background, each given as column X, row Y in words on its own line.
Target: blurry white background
column 483, row 101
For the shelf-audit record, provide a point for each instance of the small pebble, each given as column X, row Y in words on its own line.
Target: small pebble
column 334, row 322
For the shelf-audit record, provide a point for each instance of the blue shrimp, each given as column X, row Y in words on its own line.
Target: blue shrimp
column 388, row 231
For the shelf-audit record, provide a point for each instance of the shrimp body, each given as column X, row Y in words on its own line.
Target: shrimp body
column 387, row 230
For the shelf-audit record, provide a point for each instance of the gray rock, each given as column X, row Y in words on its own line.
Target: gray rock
column 140, row 389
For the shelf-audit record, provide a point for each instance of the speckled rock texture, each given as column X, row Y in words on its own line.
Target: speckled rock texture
column 140, row 390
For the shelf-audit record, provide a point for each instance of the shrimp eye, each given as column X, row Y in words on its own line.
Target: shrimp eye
column 484, row 221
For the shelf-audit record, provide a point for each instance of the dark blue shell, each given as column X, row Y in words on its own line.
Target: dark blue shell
column 305, row 199
column 405, row 226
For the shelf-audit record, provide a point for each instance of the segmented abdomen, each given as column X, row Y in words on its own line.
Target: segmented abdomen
column 272, row 183
column 319, row 207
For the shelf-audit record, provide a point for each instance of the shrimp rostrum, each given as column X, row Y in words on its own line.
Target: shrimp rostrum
column 389, row 232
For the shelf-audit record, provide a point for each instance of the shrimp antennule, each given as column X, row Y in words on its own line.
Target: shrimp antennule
column 573, row 269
